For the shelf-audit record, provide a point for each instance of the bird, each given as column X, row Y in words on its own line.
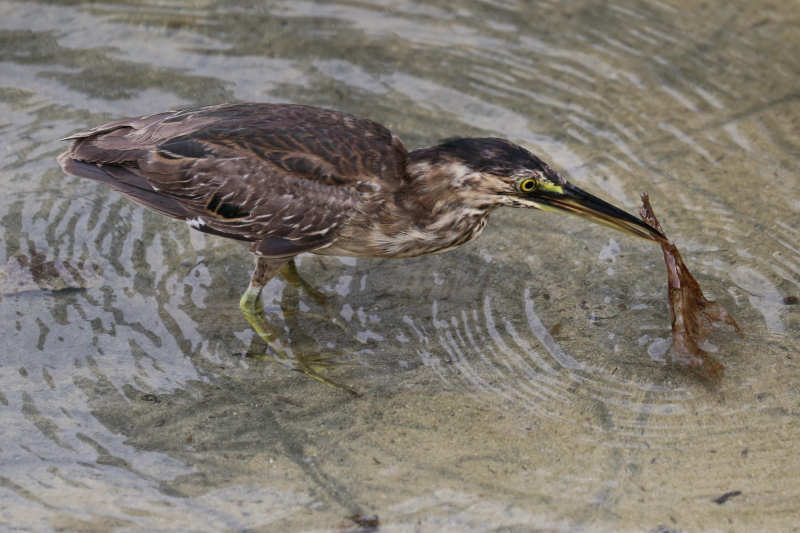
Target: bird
column 290, row 179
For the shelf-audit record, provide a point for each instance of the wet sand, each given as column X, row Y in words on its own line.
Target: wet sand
column 519, row 383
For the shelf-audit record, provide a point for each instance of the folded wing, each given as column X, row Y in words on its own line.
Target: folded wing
column 283, row 177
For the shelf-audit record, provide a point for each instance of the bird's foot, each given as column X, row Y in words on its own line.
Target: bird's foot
column 312, row 365
column 328, row 316
column 309, row 365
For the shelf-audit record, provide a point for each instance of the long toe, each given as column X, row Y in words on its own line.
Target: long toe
column 329, row 316
column 312, row 364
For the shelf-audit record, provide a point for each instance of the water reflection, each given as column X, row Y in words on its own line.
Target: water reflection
column 528, row 365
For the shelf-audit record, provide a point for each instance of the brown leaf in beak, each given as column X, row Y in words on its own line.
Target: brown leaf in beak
column 692, row 314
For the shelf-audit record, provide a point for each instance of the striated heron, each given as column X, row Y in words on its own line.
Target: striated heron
column 292, row 179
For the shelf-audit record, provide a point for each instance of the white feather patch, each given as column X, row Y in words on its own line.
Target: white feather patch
column 195, row 222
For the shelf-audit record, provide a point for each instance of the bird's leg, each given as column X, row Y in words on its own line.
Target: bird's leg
column 250, row 302
column 292, row 276
column 253, row 310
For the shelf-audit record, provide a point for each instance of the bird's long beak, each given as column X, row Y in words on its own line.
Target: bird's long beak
column 571, row 199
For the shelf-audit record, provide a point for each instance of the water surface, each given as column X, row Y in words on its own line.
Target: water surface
column 519, row 382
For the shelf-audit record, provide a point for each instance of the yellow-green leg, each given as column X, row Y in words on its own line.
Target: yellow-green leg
column 292, row 276
column 253, row 310
column 289, row 273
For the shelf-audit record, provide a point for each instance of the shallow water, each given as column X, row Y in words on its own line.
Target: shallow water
column 517, row 383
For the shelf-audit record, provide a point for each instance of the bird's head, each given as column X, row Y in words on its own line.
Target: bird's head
column 490, row 172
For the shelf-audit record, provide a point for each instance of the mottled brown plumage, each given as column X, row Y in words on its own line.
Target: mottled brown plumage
column 283, row 177
column 291, row 179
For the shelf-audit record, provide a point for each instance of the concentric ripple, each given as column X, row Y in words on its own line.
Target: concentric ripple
column 530, row 365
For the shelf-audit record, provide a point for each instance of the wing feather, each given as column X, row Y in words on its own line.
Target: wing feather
column 284, row 177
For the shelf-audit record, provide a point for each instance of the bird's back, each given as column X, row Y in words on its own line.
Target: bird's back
column 286, row 177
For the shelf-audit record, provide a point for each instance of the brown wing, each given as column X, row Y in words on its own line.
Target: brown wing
column 285, row 177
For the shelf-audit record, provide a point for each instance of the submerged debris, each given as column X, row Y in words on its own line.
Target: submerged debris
column 360, row 523
column 727, row 496
column 692, row 314
column 366, row 521
column 34, row 272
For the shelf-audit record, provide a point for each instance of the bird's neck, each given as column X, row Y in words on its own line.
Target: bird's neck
column 433, row 211
column 444, row 187
column 439, row 206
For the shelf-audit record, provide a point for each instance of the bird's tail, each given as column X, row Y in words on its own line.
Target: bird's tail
column 125, row 181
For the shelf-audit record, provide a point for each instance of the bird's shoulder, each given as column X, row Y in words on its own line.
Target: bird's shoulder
column 322, row 145
column 285, row 140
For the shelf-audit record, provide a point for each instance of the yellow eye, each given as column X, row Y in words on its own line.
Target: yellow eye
column 526, row 185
